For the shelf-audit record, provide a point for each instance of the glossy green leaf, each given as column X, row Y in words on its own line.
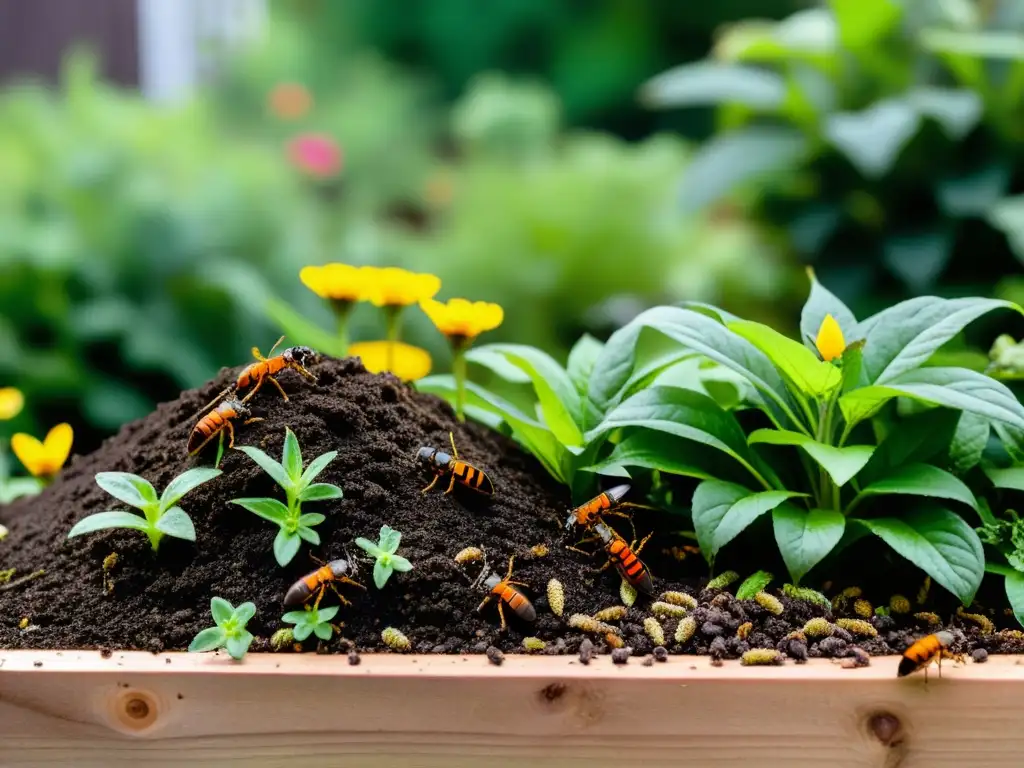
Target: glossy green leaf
column 316, row 466
column 806, row 537
column 176, row 522
column 919, row 439
column 291, row 456
column 308, row 535
column 381, row 573
column 243, row 613
column 873, row 138
column 753, row 584
column 938, row 542
column 711, row 502
column 706, row 83
column 238, row 645
column 389, row 539
column 268, row 465
column 400, row 564
column 496, row 363
column 221, row 610
column 656, row 450
column 744, row 512
column 184, row 483
column 269, row 509
column 922, row 480
column 809, row 374
column 582, row 358
column 131, row 489
column 842, row 464
column 968, row 442
column 323, row 631
column 864, row 22
column 208, row 640
column 311, row 518
column 302, row 631
column 821, row 302
column 320, row 492
column 103, row 520
column 1010, row 478
column 1014, row 585
column 286, row 546
column 369, row 547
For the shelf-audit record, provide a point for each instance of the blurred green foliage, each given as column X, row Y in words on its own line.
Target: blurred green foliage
column 877, row 139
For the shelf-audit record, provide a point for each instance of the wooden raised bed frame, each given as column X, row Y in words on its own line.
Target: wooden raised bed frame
column 78, row 708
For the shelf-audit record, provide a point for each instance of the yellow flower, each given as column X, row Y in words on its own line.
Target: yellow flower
column 394, row 287
column 339, row 282
column 830, row 341
column 11, row 403
column 46, row 458
column 461, row 318
column 404, row 360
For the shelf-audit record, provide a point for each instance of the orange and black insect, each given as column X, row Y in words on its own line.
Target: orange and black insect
column 266, row 368
column 505, row 592
column 590, row 512
column 328, row 575
column 216, row 421
column 922, row 653
column 624, row 557
column 443, row 464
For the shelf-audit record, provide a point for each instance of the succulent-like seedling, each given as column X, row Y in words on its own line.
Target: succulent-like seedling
column 654, row 630
column 680, row 598
column 283, row 638
column 858, row 627
column 627, row 593
column 383, row 552
column 612, row 613
column 590, row 624
column 807, row 595
column 723, row 580
column 394, row 639
column 229, row 632
column 534, row 644
column 819, row 627
column 556, row 597
column 762, row 657
column 315, row 621
column 770, row 603
column 685, row 629
column 668, row 610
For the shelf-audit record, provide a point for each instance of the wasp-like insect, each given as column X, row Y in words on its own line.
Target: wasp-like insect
column 265, row 369
column 624, row 556
column 922, row 653
column 316, row 582
column 590, row 512
column 505, row 592
column 216, row 421
column 443, row 464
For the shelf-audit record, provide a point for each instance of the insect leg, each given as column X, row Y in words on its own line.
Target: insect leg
column 231, row 433
column 319, row 596
column 344, row 600
column 511, row 560
column 277, row 384
column 254, row 390
column 215, row 400
column 451, row 485
column 432, row 483
column 483, row 603
column 636, row 550
column 501, row 615
column 347, row 580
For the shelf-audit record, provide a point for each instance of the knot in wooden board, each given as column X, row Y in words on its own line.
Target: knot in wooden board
column 134, row 711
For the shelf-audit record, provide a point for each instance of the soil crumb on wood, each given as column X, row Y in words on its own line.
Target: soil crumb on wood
column 147, row 601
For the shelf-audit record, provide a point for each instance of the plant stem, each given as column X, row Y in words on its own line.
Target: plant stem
column 392, row 313
column 220, row 451
column 459, row 372
column 342, row 312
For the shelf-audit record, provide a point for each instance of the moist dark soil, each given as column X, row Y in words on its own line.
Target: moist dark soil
column 159, row 601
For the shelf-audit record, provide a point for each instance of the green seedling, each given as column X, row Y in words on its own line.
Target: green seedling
column 230, row 631
column 384, row 552
column 295, row 527
column 316, row 621
column 160, row 515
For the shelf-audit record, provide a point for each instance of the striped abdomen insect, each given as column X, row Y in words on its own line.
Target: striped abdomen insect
column 266, row 368
column 505, row 592
column 334, row 572
column 923, row 652
column 624, row 557
column 590, row 512
column 215, row 422
column 443, row 464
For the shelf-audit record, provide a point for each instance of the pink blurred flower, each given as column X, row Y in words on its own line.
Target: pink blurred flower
column 315, row 153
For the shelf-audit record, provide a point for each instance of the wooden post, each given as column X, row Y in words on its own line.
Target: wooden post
column 77, row 708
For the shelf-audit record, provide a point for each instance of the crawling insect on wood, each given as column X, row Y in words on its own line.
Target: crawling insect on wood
column 505, row 592
column 265, row 369
column 443, row 464
column 930, row 648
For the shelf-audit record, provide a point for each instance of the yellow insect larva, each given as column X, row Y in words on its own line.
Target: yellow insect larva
column 863, row 608
column 110, row 561
column 654, row 630
column 590, row 624
column 928, row 617
column 818, row 627
column 770, row 603
column 667, row 610
column 899, row 604
column 723, row 580
column 762, row 657
column 613, row 640
column 612, row 613
column 680, row 598
column 983, row 622
column 744, row 629
column 23, row 624
column 281, row 639
column 540, row 550
column 469, row 555
column 556, row 597
column 627, row 593
column 806, row 594
column 685, row 629
column 534, row 644
column 395, row 640
column 858, row 627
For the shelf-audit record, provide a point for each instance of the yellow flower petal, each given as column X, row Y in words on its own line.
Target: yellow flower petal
column 58, row 445
column 44, row 459
column 11, row 403
column 340, row 282
column 29, row 451
column 830, row 341
column 394, row 287
column 463, row 318
column 404, row 360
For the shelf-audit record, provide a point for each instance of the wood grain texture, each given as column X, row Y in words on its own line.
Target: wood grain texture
column 176, row 709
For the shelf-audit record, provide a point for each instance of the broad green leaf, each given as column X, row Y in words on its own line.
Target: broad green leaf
column 820, row 303
column 840, row 463
column 131, row 489
column 919, row 439
column 496, row 363
column 291, row 456
column 103, row 520
column 863, row 22
column 1011, row 478
column 302, row 631
column 740, row 156
column 744, row 512
column 221, row 610
column 938, row 542
column 320, row 492
column 711, row 501
column 902, row 338
column 238, row 645
column 956, row 110
column 269, row 509
column 381, row 573
column 323, row 631
column 968, row 442
column 271, row 467
column 706, row 83
column 316, row 466
column 806, row 537
column 184, row 483
column 699, row 333
column 1014, row 585
column 922, row 480
column 308, row 535
column 327, row 614
column 919, row 258
column 808, row 373
column 311, row 518
column 656, row 450
column 176, row 522
column 1011, row 438
column 208, row 640
column 1007, row 215
column 873, row 138
column 243, row 613
column 286, row 546
column 753, row 584
column 400, row 564
column 582, row 358
column 389, row 539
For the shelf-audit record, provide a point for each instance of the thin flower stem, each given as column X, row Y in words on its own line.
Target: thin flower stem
column 393, row 315
column 459, row 372
column 343, row 311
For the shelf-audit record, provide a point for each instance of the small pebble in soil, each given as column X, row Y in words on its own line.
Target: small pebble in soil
column 797, row 650
column 106, row 653
column 856, row 657
column 980, row 655
column 586, row 651
column 647, row 662
column 718, row 649
column 833, row 647
column 354, row 658
column 660, row 653
column 495, row 656
column 711, row 630
column 621, row 655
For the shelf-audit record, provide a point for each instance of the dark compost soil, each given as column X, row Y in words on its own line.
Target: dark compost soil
column 160, row 601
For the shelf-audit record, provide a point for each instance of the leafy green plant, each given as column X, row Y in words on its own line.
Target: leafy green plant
column 383, row 551
column 1002, row 531
column 229, row 632
column 315, row 621
column 295, row 526
column 161, row 516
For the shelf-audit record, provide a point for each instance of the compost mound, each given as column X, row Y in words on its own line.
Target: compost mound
column 159, row 601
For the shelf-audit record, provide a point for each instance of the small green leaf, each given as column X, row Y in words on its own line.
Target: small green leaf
column 184, row 483
column 316, row 466
column 957, row 111
column 1015, row 594
column 310, row 519
column 221, row 610
column 400, row 564
column 271, row 467
column 922, row 480
column 208, row 640
column 269, row 509
column 753, row 584
column 369, row 547
column 297, row 617
column 103, row 520
column 389, row 539
column 709, row 83
column 320, row 492
column 291, row 458
column 286, row 546
column 238, row 645
column 798, row 364
column 711, row 502
column 805, row 538
column 842, row 464
column 1011, row 478
column 323, row 631
column 176, row 522
column 744, row 512
column 327, row 614
column 302, row 631
column 244, row 613
column 131, row 489
column 582, row 358
column 655, row 450
column 381, row 573
column 308, row 535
